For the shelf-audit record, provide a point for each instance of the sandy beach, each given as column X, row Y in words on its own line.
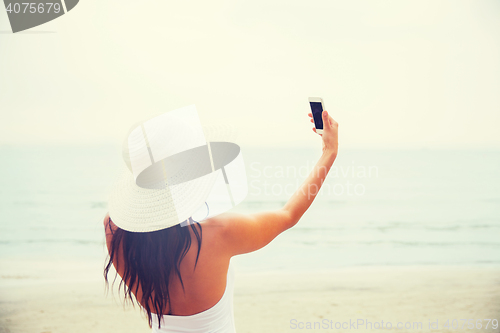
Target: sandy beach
column 340, row 300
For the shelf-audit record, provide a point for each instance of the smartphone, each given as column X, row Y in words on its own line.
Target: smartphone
column 316, row 110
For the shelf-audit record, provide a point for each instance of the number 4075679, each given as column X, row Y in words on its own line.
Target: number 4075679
column 471, row 324
column 33, row 8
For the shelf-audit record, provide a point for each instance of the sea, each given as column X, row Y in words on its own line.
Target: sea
column 376, row 208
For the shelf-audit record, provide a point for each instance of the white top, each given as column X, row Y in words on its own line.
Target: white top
column 218, row 319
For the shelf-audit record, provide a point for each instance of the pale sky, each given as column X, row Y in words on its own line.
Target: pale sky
column 394, row 74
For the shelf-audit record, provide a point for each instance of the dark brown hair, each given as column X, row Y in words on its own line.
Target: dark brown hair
column 150, row 258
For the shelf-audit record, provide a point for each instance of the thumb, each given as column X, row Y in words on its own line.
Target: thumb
column 326, row 121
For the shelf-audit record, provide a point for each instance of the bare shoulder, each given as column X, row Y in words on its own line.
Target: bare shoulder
column 218, row 231
column 109, row 228
column 220, row 221
column 242, row 233
column 215, row 226
column 225, row 223
column 107, row 224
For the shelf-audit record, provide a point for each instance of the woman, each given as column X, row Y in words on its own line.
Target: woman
column 181, row 276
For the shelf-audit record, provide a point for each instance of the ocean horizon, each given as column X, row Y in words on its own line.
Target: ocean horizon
column 377, row 207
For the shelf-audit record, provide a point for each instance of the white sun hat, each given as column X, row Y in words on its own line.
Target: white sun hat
column 173, row 174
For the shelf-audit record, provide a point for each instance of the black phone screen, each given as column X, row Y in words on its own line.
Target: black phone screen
column 317, row 110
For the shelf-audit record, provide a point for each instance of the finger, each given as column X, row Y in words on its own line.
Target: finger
column 326, row 120
column 314, row 129
column 312, row 120
column 310, row 114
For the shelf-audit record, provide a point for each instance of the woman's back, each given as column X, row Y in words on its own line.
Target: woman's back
column 203, row 285
column 218, row 318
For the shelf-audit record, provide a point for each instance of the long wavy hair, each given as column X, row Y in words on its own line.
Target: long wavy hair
column 149, row 259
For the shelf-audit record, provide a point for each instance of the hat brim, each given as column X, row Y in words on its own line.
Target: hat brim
column 137, row 209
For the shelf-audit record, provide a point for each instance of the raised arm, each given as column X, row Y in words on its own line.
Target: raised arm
column 247, row 233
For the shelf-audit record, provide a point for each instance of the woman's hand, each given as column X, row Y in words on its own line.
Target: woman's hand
column 330, row 136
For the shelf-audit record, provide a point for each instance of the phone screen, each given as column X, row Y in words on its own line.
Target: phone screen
column 317, row 110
